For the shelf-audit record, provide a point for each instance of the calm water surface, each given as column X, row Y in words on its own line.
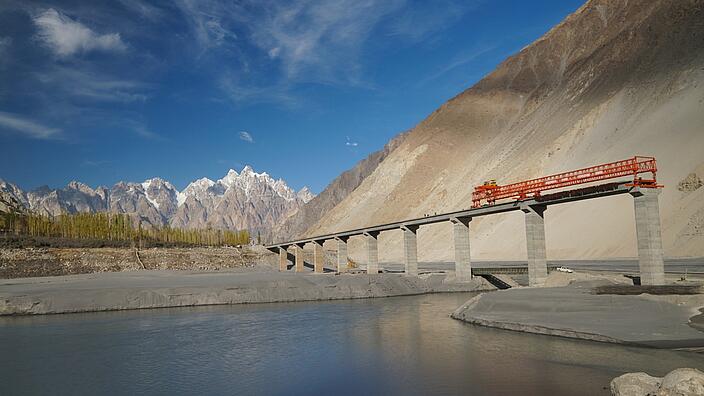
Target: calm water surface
column 398, row 345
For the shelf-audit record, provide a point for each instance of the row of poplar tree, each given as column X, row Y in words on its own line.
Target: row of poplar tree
column 114, row 227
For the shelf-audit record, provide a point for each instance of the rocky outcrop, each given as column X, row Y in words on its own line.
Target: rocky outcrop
column 635, row 384
column 690, row 183
column 334, row 193
column 12, row 199
column 680, row 382
column 613, row 80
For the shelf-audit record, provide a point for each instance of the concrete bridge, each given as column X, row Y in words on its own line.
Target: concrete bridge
column 647, row 214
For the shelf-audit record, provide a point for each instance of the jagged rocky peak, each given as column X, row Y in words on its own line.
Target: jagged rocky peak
column 196, row 189
column 76, row 185
column 244, row 200
column 230, row 178
column 259, row 184
column 157, row 182
column 162, row 194
column 305, row 194
column 10, row 190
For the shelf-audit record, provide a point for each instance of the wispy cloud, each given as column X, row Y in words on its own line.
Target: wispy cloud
column 312, row 41
column 210, row 21
column 424, row 18
column 67, row 37
column 93, row 85
column 272, row 47
column 458, row 61
column 246, row 136
column 95, row 163
column 5, row 43
column 143, row 9
column 231, row 163
column 351, row 143
column 143, row 131
column 27, row 127
column 252, row 92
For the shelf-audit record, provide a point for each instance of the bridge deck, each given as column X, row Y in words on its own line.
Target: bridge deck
column 593, row 192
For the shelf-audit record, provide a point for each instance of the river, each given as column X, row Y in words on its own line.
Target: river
column 400, row 345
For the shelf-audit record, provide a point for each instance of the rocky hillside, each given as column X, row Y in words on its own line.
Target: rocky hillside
column 614, row 79
column 245, row 200
column 334, row 193
column 10, row 199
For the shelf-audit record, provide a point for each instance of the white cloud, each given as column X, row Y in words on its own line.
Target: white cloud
column 459, row 61
column 93, row 85
column 95, row 163
column 246, row 136
column 274, row 52
column 351, row 143
column 144, row 9
column 67, row 37
column 304, row 41
column 325, row 41
column 319, row 41
column 26, row 127
column 5, row 44
column 144, row 132
column 209, row 21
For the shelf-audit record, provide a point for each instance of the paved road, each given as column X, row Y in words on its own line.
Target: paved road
column 677, row 265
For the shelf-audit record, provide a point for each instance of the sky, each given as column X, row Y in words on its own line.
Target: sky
column 104, row 91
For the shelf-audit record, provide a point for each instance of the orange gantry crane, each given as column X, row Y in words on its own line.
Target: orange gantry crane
column 489, row 192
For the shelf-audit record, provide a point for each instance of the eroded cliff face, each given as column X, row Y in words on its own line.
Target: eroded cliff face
column 614, row 79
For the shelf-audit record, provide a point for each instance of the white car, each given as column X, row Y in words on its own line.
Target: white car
column 564, row 269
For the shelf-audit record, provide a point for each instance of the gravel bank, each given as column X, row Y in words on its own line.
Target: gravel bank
column 161, row 289
column 34, row 262
column 575, row 311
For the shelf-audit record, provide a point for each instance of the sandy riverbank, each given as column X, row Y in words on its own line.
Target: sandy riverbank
column 161, row 289
column 576, row 311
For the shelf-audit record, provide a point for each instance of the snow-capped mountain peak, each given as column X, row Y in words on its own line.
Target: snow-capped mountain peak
column 196, row 189
column 244, row 200
column 305, row 194
column 230, row 178
column 255, row 184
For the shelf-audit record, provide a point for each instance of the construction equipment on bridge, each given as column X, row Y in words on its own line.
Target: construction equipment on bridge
column 489, row 192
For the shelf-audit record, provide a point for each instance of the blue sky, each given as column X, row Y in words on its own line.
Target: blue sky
column 129, row 89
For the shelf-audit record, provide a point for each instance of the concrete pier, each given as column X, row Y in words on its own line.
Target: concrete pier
column 648, row 234
column 535, row 244
column 318, row 257
column 410, row 249
column 463, row 261
column 341, row 254
column 299, row 258
column 283, row 259
column 372, row 252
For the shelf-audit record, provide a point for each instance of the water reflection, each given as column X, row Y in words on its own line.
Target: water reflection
column 397, row 345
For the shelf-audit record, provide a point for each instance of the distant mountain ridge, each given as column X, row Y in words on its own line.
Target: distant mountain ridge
column 244, row 200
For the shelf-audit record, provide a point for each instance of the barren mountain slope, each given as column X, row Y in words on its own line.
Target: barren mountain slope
column 615, row 79
column 334, row 193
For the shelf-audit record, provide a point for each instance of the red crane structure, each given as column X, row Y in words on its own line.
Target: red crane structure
column 489, row 192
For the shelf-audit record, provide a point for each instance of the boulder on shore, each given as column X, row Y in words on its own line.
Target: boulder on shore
column 635, row 384
column 680, row 382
